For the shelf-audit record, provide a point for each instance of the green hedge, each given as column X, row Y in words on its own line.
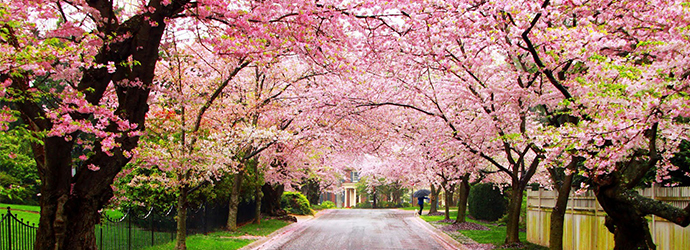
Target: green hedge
column 389, row 204
column 295, row 203
column 486, row 202
column 327, row 204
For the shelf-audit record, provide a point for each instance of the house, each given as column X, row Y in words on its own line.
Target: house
column 348, row 196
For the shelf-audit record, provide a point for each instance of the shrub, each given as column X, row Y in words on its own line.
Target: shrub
column 295, row 203
column 13, row 192
column 486, row 202
column 406, row 204
column 389, row 204
column 363, row 205
column 327, row 204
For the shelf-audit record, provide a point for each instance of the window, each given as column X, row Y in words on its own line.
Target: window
column 354, row 176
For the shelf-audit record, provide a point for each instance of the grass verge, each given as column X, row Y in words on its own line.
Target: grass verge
column 226, row 239
column 495, row 235
column 200, row 242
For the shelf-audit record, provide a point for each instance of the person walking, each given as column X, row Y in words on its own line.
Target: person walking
column 420, row 202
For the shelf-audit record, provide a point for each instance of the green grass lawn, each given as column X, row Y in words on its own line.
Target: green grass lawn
column 265, row 228
column 26, row 217
column 224, row 240
column 25, row 212
column 496, row 235
column 4, row 206
column 200, row 241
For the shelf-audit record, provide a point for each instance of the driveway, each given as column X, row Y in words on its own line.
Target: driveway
column 359, row 229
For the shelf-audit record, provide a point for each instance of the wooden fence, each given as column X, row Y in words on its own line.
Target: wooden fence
column 584, row 221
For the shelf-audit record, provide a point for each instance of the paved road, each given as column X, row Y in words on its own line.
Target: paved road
column 360, row 229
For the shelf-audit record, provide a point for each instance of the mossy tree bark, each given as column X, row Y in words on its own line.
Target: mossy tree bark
column 448, row 196
column 181, row 243
column 464, row 192
column 234, row 201
column 258, row 196
column 514, row 206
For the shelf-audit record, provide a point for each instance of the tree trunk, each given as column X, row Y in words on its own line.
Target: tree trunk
column 270, row 203
column 448, row 197
column 258, row 196
column 181, row 243
column 72, row 220
column 630, row 229
column 514, row 207
column 433, row 202
column 374, row 196
column 234, row 202
column 70, row 204
column 311, row 189
column 464, row 191
column 397, row 193
column 451, row 192
column 558, row 214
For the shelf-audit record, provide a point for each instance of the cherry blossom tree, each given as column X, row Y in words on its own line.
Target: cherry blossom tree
column 597, row 87
column 545, row 67
column 615, row 68
column 82, row 73
column 180, row 139
column 82, row 76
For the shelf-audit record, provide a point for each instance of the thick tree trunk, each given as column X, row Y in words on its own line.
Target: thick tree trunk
column 70, row 204
column 181, row 242
column 270, row 204
column 234, row 202
column 311, row 189
column 73, row 224
column 558, row 214
column 630, row 229
column 514, row 206
column 464, row 191
column 433, row 202
column 626, row 210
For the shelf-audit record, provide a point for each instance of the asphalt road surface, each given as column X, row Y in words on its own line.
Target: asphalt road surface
column 360, row 229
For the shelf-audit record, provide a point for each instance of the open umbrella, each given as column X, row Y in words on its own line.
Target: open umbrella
column 421, row 193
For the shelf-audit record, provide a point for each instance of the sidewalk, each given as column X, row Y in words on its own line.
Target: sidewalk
column 438, row 235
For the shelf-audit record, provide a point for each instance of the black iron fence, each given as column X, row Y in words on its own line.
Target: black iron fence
column 136, row 229
column 15, row 233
